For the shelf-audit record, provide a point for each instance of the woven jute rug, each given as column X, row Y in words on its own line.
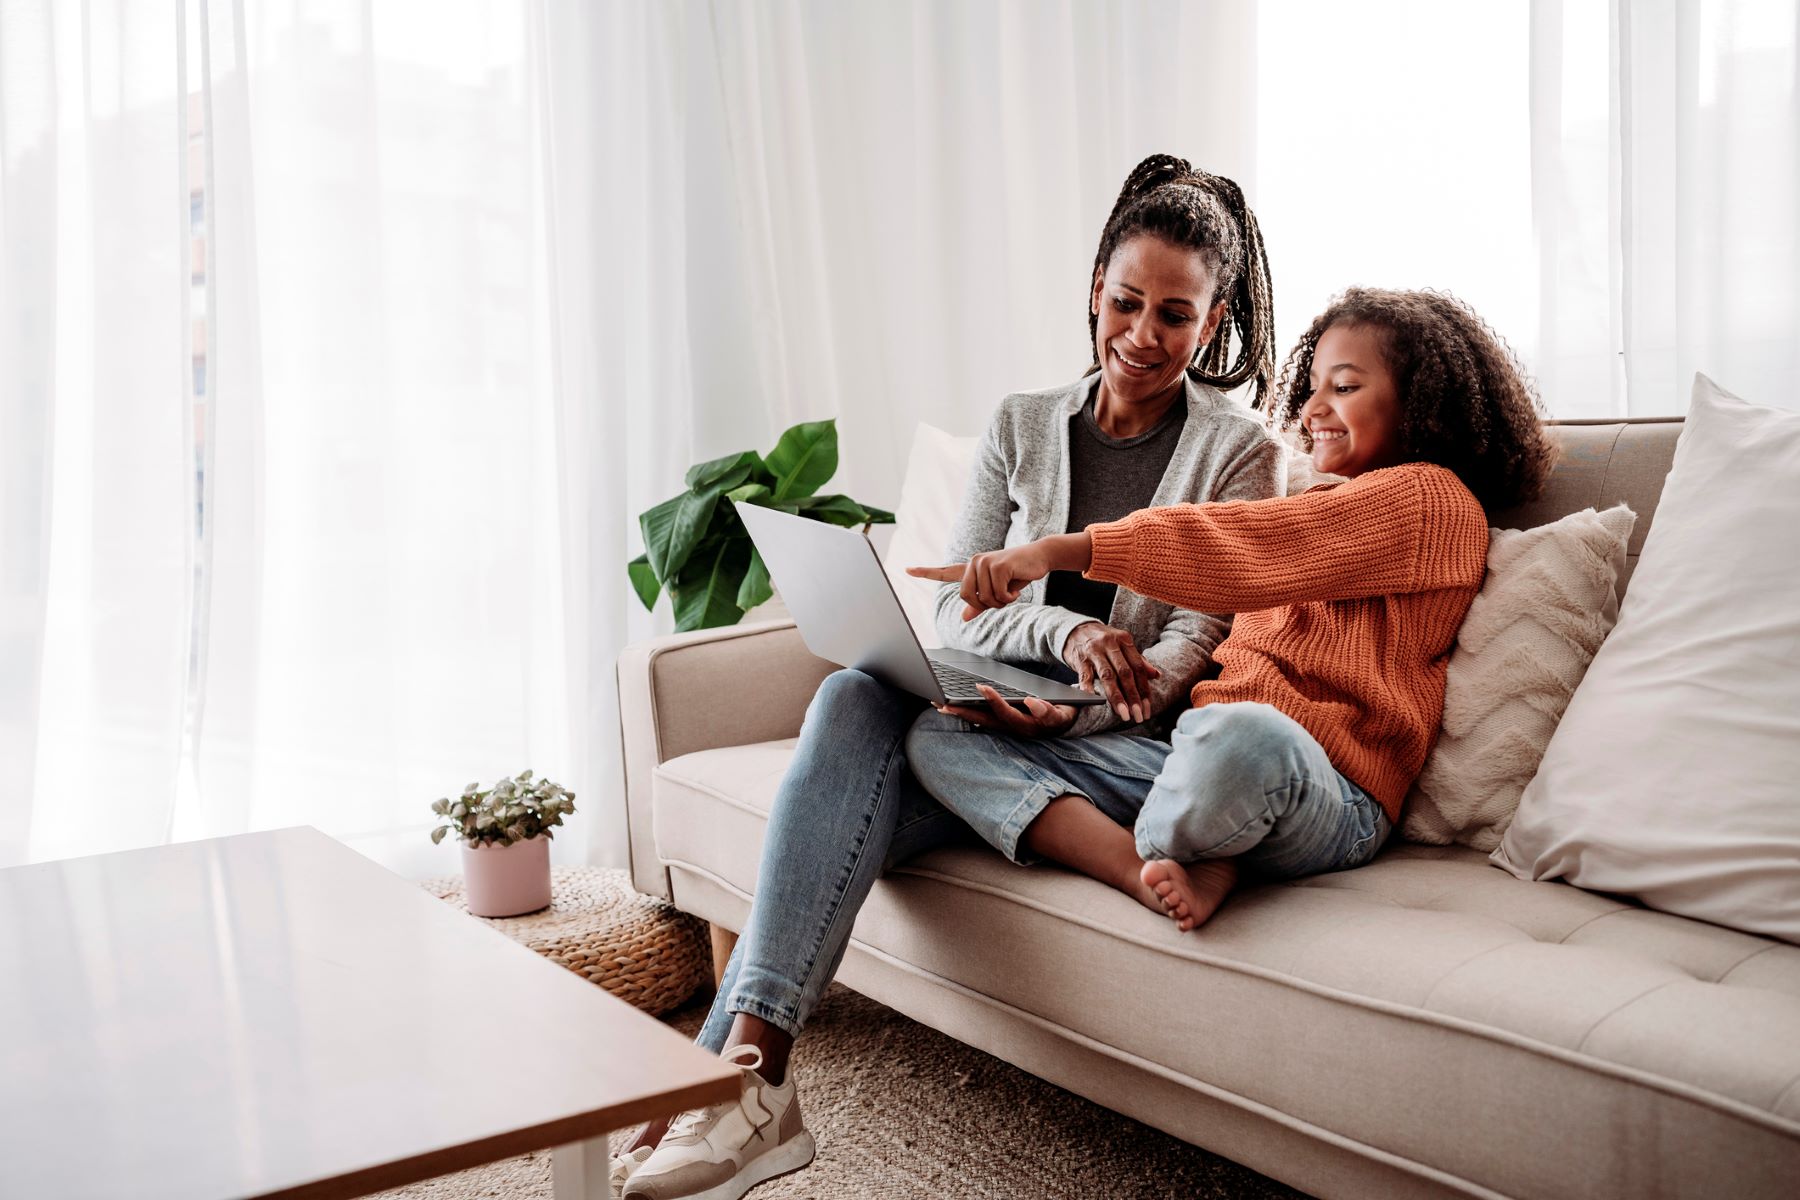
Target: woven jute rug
column 641, row 949
column 902, row 1111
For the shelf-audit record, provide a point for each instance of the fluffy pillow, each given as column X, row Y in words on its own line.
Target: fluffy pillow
column 936, row 473
column 1549, row 600
column 1675, row 774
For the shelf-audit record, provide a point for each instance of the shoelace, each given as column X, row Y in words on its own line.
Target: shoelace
column 687, row 1124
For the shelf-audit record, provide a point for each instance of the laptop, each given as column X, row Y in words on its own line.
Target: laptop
column 833, row 583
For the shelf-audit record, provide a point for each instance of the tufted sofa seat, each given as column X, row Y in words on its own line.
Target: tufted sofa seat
column 1426, row 1025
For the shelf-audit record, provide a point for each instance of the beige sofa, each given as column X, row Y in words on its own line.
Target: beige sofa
column 1424, row 1026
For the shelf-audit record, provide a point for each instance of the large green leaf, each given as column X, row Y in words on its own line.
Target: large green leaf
column 673, row 528
column 643, row 580
column 838, row 510
column 728, row 472
column 842, row 510
column 755, row 589
column 804, row 458
column 705, row 592
column 762, row 497
column 750, row 493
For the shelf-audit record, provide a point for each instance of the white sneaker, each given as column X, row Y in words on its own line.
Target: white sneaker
column 719, row 1153
column 621, row 1167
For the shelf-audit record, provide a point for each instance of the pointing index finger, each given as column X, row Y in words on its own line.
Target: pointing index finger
column 941, row 574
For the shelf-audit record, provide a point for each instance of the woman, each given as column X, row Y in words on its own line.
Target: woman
column 1296, row 759
column 1180, row 268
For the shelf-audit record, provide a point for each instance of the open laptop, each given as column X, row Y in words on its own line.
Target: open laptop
column 848, row 614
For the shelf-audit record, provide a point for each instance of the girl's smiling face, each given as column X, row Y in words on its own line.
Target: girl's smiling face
column 1353, row 413
column 1154, row 309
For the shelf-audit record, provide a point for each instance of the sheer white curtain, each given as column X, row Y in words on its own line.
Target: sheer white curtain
column 385, row 609
column 891, row 210
column 1616, row 187
column 328, row 516
column 1666, row 168
column 96, row 470
column 1709, row 163
column 286, row 487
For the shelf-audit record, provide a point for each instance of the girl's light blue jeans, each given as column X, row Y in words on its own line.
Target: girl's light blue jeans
column 878, row 777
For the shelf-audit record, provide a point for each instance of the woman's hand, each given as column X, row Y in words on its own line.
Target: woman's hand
column 1042, row 718
column 1109, row 658
column 995, row 579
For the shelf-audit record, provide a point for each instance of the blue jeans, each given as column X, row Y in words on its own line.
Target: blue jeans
column 847, row 809
column 858, row 798
column 1234, row 780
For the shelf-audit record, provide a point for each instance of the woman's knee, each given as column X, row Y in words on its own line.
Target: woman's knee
column 848, row 686
column 852, row 700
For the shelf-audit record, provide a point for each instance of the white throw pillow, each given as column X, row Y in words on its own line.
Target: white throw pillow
column 1675, row 774
column 930, row 495
column 1549, row 600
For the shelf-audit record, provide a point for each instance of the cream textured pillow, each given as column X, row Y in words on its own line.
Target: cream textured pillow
column 937, row 472
column 1675, row 774
column 1549, row 600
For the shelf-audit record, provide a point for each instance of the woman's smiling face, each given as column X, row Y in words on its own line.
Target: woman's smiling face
column 1353, row 413
column 1154, row 309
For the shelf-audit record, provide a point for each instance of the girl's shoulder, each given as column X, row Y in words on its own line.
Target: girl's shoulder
column 1438, row 489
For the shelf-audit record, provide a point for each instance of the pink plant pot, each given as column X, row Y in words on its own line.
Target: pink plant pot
column 505, row 881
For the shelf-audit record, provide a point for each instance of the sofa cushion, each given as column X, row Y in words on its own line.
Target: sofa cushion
column 1428, row 1006
column 1549, row 599
column 1672, row 776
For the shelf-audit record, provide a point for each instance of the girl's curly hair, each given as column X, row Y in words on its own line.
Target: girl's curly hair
column 1465, row 402
column 1167, row 197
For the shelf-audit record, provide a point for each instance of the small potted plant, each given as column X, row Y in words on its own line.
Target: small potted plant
column 505, row 833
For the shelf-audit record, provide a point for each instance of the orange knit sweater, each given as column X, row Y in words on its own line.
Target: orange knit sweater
column 1349, row 598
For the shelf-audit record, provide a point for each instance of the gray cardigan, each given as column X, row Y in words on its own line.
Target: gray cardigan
column 1018, row 491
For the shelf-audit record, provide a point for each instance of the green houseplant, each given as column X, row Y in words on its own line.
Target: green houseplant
column 505, row 835
column 695, row 546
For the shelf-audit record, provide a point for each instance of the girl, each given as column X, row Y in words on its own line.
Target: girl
column 1294, row 760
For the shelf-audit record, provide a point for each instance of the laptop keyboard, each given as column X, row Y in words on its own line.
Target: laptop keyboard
column 960, row 683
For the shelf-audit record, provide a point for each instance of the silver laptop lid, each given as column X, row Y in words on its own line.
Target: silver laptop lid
column 831, row 580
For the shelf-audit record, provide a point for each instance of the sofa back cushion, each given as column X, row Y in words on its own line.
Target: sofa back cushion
column 1604, row 463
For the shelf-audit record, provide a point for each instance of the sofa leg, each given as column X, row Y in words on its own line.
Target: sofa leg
column 723, row 943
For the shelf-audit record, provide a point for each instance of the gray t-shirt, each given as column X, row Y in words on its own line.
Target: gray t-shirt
column 1109, row 478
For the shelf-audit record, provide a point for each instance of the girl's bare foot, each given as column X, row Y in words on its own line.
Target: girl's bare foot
column 1190, row 894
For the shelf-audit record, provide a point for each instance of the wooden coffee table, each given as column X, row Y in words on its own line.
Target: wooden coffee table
column 273, row 1015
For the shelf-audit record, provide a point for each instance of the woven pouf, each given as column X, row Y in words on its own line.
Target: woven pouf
column 637, row 947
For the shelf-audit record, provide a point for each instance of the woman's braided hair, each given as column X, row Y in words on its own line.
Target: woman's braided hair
column 1165, row 196
column 1465, row 402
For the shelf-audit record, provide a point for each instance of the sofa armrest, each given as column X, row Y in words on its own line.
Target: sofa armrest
column 697, row 691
